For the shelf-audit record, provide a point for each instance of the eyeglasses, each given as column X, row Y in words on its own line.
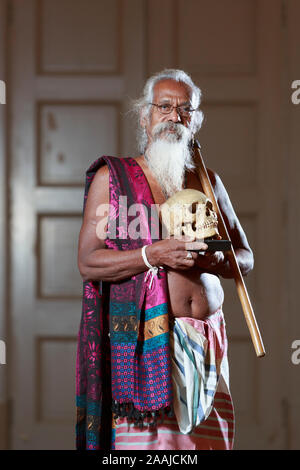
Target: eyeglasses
column 184, row 110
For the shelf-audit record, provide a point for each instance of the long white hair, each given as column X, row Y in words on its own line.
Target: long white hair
column 142, row 105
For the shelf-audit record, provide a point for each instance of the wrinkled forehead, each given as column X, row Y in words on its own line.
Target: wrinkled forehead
column 171, row 90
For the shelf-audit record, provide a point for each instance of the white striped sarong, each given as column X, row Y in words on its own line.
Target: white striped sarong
column 195, row 372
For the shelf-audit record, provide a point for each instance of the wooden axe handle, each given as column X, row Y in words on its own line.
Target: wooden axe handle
column 240, row 285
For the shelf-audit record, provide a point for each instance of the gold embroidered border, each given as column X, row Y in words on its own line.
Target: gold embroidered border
column 124, row 324
column 156, row 326
column 93, row 423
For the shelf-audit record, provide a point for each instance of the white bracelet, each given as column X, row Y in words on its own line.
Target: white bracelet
column 152, row 269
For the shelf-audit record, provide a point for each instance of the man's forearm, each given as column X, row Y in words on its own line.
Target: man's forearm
column 245, row 261
column 111, row 265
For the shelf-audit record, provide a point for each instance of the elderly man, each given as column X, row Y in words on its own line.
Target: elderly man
column 152, row 370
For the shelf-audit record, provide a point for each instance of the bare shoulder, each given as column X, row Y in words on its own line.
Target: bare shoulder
column 217, row 184
column 98, row 192
column 101, row 176
column 93, row 229
column 101, row 179
column 212, row 175
column 222, row 196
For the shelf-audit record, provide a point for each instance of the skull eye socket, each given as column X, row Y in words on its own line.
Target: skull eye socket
column 193, row 208
column 209, row 208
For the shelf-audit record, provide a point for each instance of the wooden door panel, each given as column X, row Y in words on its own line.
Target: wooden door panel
column 72, row 63
column 216, row 38
column 235, row 159
column 71, row 134
column 79, row 37
column 58, row 275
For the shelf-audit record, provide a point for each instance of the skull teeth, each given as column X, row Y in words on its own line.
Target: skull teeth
column 205, row 225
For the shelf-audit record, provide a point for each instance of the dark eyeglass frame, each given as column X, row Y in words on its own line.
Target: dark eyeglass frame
column 179, row 109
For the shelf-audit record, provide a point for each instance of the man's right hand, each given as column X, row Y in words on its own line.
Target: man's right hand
column 173, row 252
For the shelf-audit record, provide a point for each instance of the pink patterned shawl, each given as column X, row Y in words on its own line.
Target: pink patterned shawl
column 123, row 357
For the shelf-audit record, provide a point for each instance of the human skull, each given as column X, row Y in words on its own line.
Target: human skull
column 189, row 212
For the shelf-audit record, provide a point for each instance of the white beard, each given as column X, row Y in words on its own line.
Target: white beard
column 169, row 156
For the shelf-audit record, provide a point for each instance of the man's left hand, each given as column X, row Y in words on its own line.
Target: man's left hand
column 211, row 261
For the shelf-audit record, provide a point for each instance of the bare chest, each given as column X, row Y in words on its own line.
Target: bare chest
column 191, row 181
column 191, row 293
